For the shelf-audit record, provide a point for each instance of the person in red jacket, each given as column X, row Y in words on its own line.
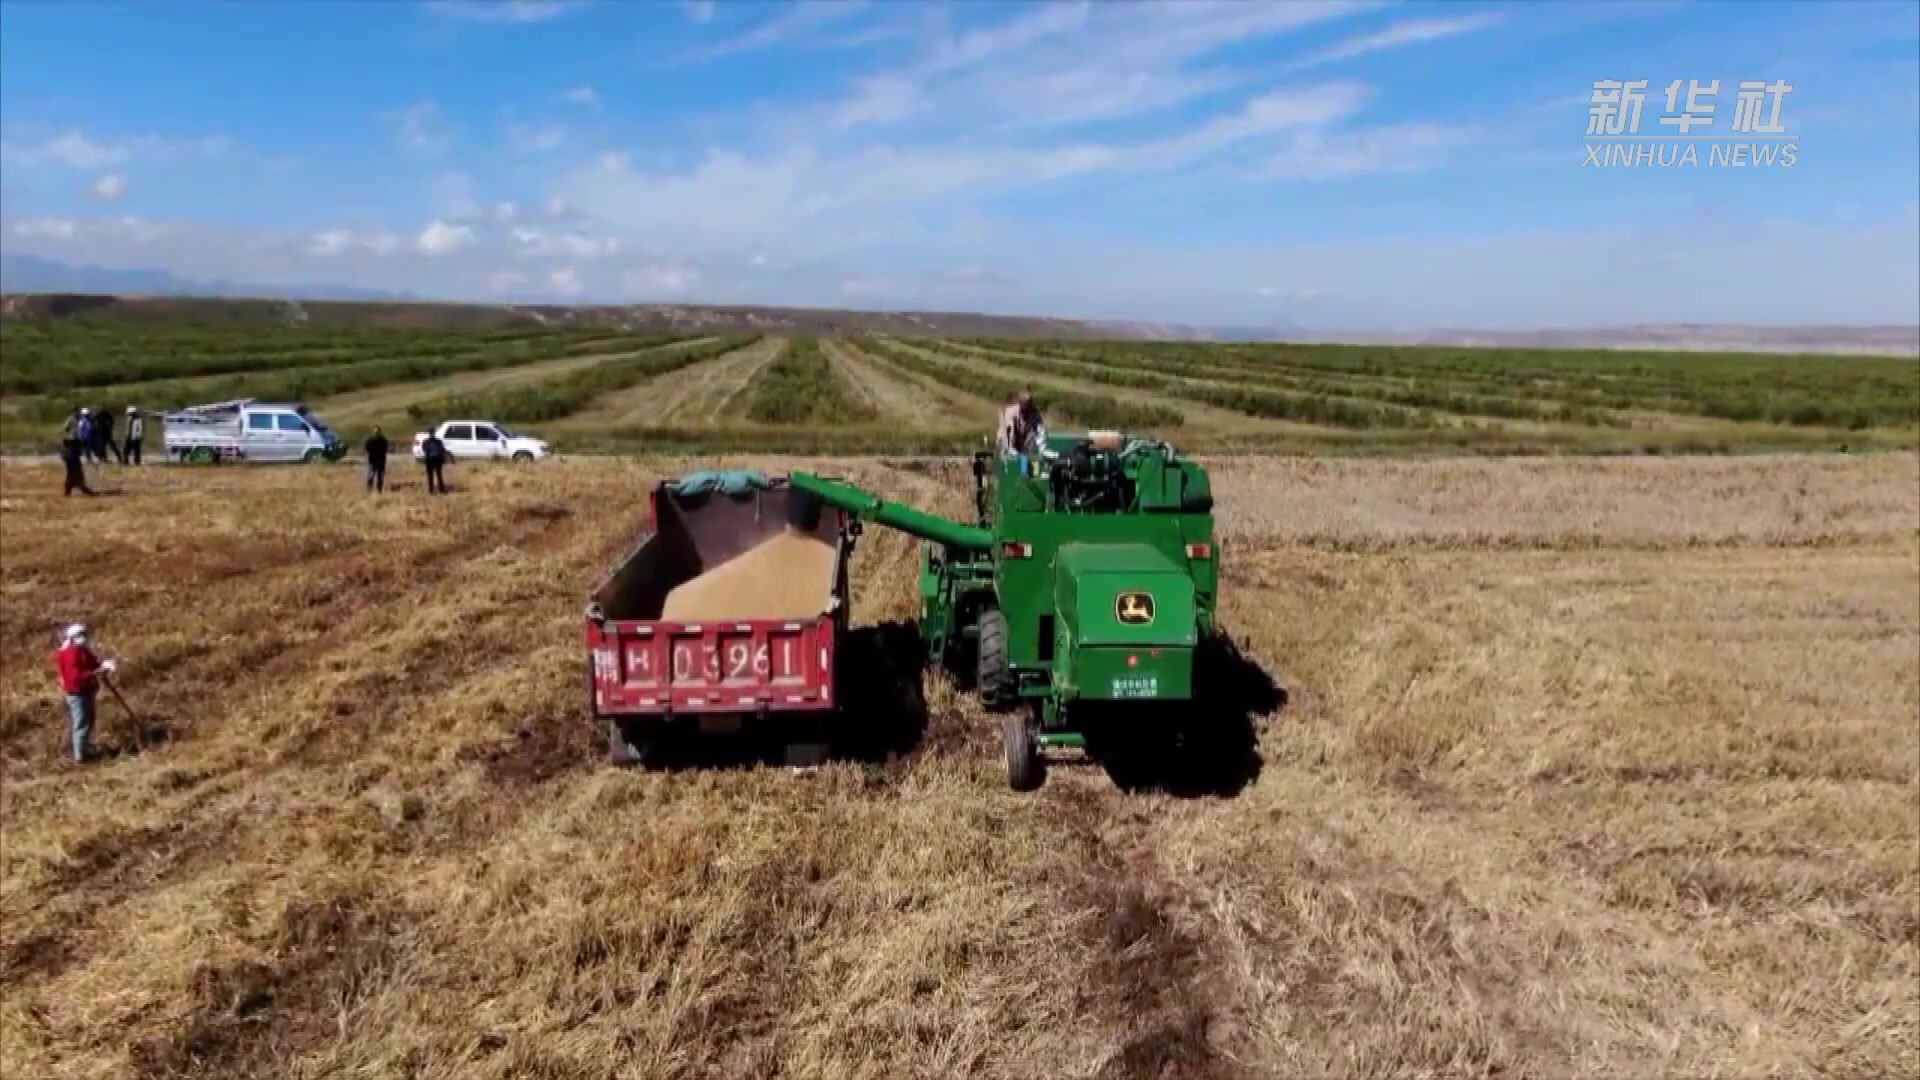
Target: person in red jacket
column 80, row 672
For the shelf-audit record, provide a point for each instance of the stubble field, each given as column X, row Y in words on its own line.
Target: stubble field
column 1584, row 766
column 621, row 388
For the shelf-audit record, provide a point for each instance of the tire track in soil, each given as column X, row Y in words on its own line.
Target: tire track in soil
column 724, row 394
column 970, row 409
column 1149, row 972
column 895, row 400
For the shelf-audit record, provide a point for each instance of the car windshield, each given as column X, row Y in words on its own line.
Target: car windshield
column 504, row 433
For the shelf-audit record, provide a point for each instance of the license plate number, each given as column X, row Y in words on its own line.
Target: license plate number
column 1136, row 686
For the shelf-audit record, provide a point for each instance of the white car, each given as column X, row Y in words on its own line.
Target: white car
column 470, row 440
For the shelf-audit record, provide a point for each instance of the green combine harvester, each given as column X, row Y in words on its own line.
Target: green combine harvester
column 1084, row 592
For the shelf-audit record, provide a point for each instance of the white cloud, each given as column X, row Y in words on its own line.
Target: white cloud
column 796, row 21
column 87, row 153
column 76, row 151
column 540, row 243
column 700, row 11
column 504, row 11
column 758, row 259
column 526, row 141
column 503, row 211
column 417, row 129
column 110, row 187
column 45, row 228
column 659, row 279
column 1321, row 155
column 565, row 281
column 1404, row 32
column 557, row 207
column 878, row 101
column 581, row 95
column 506, row 281
column 331, row 242
column 440, row 238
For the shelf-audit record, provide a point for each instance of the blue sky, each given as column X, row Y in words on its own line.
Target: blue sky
column 1351, row 165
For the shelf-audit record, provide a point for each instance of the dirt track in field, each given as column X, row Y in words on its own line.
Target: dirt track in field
column 900, row 399
column 695, row 396
column 362, row 406
column 1584, row 766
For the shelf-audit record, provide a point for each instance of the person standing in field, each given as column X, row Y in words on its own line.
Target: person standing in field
column 136, row 437
column 84, row 429
column 376, row 451
column 433, row 454
column 103, row 431
column 80, row 670
column 72, row 452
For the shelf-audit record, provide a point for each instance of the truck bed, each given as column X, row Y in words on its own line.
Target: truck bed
column 728, row 604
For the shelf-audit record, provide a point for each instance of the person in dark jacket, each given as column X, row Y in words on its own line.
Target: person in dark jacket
column 376, row 451
column 433, row 454
column 109, row 447
column 136, row 437
column 73, row 451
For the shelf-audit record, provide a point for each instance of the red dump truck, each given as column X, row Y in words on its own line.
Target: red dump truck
column 731, row 606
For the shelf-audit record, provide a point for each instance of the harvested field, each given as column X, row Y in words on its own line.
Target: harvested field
column 1585, row 767
column 892, row 394
column 387, row 401
column 697, row 395
column 898, row 394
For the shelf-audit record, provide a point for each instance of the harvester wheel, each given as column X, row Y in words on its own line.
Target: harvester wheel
column 992, row 677
column 1025, row 770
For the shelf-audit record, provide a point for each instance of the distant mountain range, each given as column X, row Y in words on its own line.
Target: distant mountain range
column 33, row 274
column 61, row 288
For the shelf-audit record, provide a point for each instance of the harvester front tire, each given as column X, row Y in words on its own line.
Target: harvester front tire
column 992, row 677
column 1025, row 770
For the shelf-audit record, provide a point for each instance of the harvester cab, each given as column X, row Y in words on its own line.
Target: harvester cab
column 1079, row 599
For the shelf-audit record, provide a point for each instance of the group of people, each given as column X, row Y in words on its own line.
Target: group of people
column 433, row 454
column 88, row 433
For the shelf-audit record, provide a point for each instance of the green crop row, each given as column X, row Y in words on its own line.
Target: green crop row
column 57, row 359
column 1089, row 410
column 1823, row 391
column 801, row 387
column 309, row 384
column 564, row 395
column 1290, row 397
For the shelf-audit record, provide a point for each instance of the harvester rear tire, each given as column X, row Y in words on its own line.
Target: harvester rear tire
column 992, row 677
column 1025, row 770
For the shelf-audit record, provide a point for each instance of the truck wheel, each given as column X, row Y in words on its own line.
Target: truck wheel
column 623, row 747
column 521, row 457
column 992, row 676
column 1025, row 770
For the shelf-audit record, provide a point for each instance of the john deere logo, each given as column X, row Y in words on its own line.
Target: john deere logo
column 1134, row 608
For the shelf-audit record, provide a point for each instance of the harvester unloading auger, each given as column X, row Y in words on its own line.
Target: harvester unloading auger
column 1083, row 593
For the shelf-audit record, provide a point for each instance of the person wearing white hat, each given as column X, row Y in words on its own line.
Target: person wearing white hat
column 136, row 436
column 80, row 670
column 72, row 452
